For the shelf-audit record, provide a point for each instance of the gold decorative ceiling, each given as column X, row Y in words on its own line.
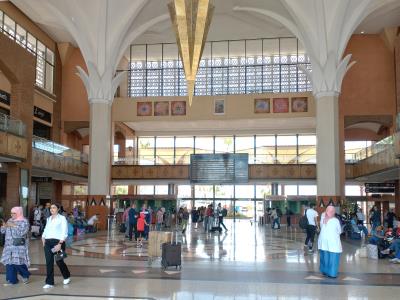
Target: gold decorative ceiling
column 191, row 21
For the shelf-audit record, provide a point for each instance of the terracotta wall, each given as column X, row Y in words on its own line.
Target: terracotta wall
column 369, row 86
column 75, row 141
column 75, row 106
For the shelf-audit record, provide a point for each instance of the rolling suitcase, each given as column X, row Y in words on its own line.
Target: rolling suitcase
column 171, row 255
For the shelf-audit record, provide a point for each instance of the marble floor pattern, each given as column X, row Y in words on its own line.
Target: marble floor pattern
column 246, row 262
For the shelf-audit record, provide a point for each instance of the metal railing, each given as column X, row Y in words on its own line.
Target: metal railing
column 11, row 125
column 58, row 149
column 150, row 160
column 376, row 148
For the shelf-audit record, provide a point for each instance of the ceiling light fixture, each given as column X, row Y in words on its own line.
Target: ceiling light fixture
column 191, row 21
column 362, row 32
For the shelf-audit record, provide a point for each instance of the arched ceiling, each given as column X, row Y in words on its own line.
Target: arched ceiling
column 226, row 24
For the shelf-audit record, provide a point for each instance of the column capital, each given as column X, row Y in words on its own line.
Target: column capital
column 100, row 101
column 326, row 94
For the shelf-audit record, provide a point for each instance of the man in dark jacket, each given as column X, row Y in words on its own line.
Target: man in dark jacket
column 132, row 217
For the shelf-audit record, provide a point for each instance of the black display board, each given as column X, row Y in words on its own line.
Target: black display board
column 379, row 188
column 5, row 97
column 219, row 168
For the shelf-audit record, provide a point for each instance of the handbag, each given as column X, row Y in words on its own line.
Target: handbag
column 60, row 255
column 17, row 241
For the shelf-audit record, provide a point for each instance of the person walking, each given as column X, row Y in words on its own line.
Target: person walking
column 220, row 211
column 329, row 244
column 185, row 219
column 54, row 235
column 132, row 221
column 160, row 218
column 312, row 217
column 15, row 253
column 288, row 214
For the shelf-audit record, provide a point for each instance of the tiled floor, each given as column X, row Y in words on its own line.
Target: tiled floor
column 246, row 262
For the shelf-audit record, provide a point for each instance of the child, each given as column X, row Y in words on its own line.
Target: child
column 141, row 222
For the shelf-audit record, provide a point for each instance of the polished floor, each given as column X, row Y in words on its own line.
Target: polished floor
column 246, row 262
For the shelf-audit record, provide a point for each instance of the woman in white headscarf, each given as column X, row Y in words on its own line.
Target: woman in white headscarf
column 329, row 244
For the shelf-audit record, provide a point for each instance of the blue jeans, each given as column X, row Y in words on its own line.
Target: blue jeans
column 158, row 226
column 276, row 221
column 395, row 246
column 13, row 270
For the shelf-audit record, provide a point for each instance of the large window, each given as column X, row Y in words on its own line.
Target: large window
column 226, row 67
column 262, row 149
column 44, row 56
column 265, row 149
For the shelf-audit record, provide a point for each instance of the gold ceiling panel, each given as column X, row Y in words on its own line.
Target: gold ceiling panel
column 191, row 21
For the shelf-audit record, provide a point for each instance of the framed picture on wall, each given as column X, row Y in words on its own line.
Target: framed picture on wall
column 262, row 106
column 161, row 108
column 144, row 109
column 281, row 105
column 299, row 104
column 178, row 108
column 219, row 106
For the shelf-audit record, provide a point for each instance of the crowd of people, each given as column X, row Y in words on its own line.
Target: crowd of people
column 53, row 225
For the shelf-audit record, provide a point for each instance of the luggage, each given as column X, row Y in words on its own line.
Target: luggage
column 303, row 221
column 171, row 255
column 215, row 225
column 122, row 228
column 156, row 239
column 372, row 251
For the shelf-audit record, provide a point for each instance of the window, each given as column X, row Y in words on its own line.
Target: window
column 226, row 67
column 224, row 191
column 244, row 191
column 146, row 151
column 165, row 150
column 354, row 190
column 224, row 144
column 263, row 190
column 290, row 190
column 44, row 56
column 145, row 189
column 286, row 146
column 161, row 189
column 265, row 149
column 184, row 191
column 307, row 190
column 204, row 144
column 245, row 144
column 307, row 145
column 183, row 149
column 203, row 191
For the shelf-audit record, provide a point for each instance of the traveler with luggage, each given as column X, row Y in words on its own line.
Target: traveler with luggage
column 221, row 216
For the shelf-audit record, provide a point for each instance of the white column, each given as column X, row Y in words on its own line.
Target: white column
column 328, row 163
column 100, row 147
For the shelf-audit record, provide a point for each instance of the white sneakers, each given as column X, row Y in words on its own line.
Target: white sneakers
column 49, row 286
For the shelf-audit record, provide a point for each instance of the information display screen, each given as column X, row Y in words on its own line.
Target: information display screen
column 219, row 168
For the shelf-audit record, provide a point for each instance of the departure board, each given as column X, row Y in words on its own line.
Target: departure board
column 219, row 168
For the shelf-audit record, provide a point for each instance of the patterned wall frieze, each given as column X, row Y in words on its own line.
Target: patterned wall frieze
column 48, row 161
column 14, row 146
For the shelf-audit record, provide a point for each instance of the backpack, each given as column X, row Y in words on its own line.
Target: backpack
column 279, row 212
column 224, row 212
column 303, row 221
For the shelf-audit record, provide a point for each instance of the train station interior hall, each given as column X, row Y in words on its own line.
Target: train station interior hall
column 200, row 149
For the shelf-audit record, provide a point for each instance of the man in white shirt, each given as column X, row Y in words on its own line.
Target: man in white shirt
column 312, row 217
column 92, row 223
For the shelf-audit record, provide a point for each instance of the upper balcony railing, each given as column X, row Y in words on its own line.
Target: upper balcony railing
column 11, row 125
column 375, row 148
column 58, row 149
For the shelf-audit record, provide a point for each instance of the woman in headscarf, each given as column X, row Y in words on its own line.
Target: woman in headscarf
column 329, row 243
column 15, row 253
